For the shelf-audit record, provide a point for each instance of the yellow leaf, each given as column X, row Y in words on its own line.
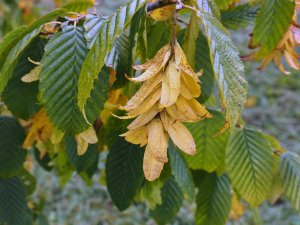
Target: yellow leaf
column 41, row 129
column 82, row 145
column 32, row 76
column 162, row 13
column 237, row 207
column 89, row 135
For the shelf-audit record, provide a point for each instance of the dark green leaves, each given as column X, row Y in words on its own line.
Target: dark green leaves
column 12, row 202
column 83, row 162
column 7, row 66
column 249, row 163
column 273, row 21
column 20, row 97
column 290, row 177
column 181, row 172
column 213, row 200
column 171, row 202
column 124, row 172
column 12, row 156
column 228, row 68
column 61, row 64
column 94, row 61
column 210, row 154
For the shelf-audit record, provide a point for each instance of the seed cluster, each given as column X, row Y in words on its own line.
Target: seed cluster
column 165, row 100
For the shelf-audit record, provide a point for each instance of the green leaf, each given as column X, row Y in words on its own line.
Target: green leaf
column 28, row 181
column 78, row 5
column 213, row 200
column 158, row 35
column 11, row 59
column 44, row 161
column 240, row 16
column 123, row 53
column 228, row 68
column 83, row 162
column 92, row 25
column 61, row 64
column 210, row 7
column 273, row 20
column 9, row 41
column 249, row 163
column 124, row 172
column 150, row 193
column 113, row 127
column 181, row 172
column 211, row 150
column 94, row 61
column 224, row 4
column 290, row 177
column 12, row 156
column 20, row 97
column 64, row 56
column 189, row 42
column 12, row 202
column 277, row 189
column 99, row 95
column 172, row 198
column 202, row 61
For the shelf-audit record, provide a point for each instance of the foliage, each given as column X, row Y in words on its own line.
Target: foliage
column 65, row 75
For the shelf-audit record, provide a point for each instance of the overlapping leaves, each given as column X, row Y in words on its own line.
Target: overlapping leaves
column 273, row 21
column 213, row 200
column 94, row 61
column 228, row 68
column 210, row 149
column 61, row 65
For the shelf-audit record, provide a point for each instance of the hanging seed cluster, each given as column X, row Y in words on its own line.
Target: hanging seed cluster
column 165, row 100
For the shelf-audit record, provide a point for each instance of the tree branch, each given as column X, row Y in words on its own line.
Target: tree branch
column 159, row 4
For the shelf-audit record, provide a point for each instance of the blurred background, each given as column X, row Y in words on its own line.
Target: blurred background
column 273, row 106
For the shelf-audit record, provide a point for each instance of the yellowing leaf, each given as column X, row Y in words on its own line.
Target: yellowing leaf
column 32, row 76
column 41, row 129
column 89, row 135
column 237, row 207
column 82, row 145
